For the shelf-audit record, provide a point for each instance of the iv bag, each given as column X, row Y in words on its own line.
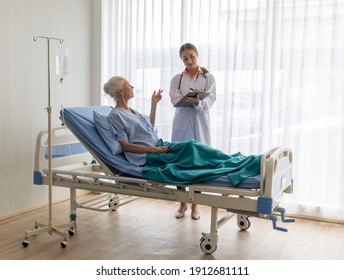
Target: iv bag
column 61, row 61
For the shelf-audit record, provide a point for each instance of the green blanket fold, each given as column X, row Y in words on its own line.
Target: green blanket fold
column 191, row 162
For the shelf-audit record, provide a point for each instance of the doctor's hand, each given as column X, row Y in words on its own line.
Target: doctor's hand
column 193, row 100
column 156, row 96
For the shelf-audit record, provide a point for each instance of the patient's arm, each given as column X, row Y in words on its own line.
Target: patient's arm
column 156, row 97
column 141, row 149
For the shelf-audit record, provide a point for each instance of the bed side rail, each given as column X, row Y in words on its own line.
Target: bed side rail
column 66, row 150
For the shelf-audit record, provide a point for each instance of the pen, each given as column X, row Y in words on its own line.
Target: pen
column 196, row 89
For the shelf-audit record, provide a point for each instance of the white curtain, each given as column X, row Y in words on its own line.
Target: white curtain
column 279, row 68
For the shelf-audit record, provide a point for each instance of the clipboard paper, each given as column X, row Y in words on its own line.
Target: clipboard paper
column 201, row 95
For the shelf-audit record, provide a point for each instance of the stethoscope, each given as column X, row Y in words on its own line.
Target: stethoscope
column 181, row 76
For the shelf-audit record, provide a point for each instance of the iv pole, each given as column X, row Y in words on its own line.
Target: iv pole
column 41, row 227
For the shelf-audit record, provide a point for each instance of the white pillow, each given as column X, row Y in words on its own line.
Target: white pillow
column 107, row 132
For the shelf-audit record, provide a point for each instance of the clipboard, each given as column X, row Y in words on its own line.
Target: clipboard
column 201, row 95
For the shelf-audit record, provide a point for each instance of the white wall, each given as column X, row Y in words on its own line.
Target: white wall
column 24, row 87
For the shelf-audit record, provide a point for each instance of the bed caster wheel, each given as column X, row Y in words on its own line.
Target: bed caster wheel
column 243, row 222
column 208, row 244
column 25, row 243
column 64, row 244
column 113, row 204
column 71, row 231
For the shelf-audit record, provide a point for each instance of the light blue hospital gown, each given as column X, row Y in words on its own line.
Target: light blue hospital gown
column 134, row 128
column 192, row 122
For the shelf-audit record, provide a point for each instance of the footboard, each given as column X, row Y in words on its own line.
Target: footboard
column 276, row 173
column 276, row 179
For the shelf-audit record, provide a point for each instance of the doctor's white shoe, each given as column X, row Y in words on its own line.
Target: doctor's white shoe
column 195, row 215
column 181, row 212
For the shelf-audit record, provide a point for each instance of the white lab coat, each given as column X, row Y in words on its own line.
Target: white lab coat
column 192, row 122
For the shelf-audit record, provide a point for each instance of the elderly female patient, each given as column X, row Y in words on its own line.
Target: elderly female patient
column 186, row 162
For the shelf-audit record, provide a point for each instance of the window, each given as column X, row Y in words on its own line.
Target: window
column 279, row 68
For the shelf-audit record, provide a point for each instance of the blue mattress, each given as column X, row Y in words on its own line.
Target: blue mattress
column 80, row 121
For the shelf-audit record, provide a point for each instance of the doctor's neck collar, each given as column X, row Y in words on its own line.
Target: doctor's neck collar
column 197, row 72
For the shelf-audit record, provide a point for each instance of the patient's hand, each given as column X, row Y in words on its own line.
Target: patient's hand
column 162, row 149
column 156, row 96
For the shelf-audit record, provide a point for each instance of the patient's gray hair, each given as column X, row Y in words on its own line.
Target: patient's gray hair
column 113, row 85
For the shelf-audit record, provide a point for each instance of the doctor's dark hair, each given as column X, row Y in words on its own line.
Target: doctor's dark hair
column 113, row 85
column 191, row 47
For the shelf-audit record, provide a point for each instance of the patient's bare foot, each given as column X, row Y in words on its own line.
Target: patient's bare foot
column 195, row 215
column 181, row 211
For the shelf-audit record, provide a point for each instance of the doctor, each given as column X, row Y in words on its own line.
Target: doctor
column 191, row 122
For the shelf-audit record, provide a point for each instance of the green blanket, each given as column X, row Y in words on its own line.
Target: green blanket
column 191, row 162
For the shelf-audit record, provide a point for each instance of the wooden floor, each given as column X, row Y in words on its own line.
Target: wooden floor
column 147, row 229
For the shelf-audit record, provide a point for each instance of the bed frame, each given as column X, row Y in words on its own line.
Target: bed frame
column 83, row 170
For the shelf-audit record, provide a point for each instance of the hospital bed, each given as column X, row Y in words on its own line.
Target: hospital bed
column 82, row 161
